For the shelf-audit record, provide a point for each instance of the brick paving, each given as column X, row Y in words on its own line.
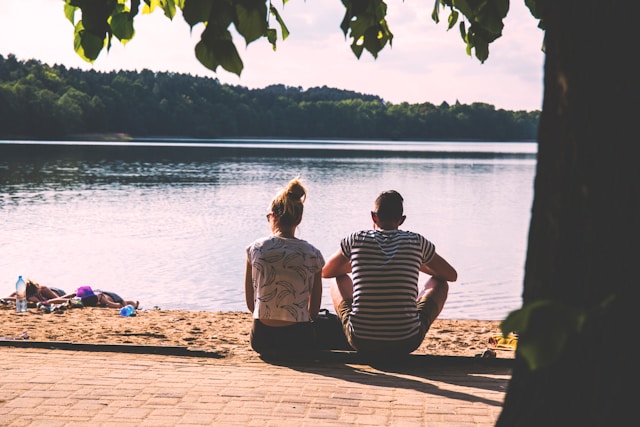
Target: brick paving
column 111, row 385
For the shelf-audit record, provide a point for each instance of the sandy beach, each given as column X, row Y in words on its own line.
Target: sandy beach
column 225, row 333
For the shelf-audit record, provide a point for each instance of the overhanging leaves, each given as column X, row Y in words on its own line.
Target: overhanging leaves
column 122, row 26
column 86, row 44
column 251, row 19
column 485, row 19
column 283, row 27
column 364, row 22
column 216, row 49
column 196, row 11
column 99, row 22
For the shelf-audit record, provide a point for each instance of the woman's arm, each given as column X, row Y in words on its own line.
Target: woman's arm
column 248, row 287
column 60, row 300
column 315, row 299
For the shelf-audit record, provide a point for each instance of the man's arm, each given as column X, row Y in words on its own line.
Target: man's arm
column 439, row 268
column 336, row 265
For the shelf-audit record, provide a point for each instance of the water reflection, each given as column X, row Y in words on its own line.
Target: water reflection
column 170, row 229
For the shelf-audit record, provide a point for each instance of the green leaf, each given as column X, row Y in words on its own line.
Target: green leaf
column 135, row 6
column 344, row 25
column 490, row 19
column 482, row 51
column 86, row 44
column 216, row 48
column 435, row 13
column 70, row 13
column 464, row 7
column 463, row 33
column 283, row 28
column 196, row 11
column 371, row 41
column 167, row 6
column 543, row 328
column 453, row 18
column 122, row 26
column 357, row 49
column 365, row 23
column 485, row 18
column 251, row 19
column 219, row 53
column 360, row 25
column 272, row 36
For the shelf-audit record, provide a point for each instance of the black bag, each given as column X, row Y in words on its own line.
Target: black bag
column 329, row 332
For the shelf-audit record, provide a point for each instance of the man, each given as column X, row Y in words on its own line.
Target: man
column 383, row 312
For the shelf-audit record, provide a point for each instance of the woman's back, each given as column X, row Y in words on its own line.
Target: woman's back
column 284, row 272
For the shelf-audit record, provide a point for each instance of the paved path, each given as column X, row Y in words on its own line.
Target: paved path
column 105, row 386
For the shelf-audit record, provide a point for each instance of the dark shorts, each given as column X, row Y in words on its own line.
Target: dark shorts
column 427, row 310
column 297, row 340
column 58, row 291
column 115, row 297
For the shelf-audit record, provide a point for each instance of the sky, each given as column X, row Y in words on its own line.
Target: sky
column 426, row 63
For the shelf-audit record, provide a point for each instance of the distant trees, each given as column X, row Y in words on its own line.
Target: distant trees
column 42, row 101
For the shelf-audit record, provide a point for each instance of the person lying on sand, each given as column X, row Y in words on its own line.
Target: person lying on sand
column 93, row 298
column 36, row 293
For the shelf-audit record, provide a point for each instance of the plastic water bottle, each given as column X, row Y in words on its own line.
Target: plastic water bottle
column 127, row 310
column 21, row 295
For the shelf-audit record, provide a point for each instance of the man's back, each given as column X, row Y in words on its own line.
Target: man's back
column 375, row 291
column 385, row 266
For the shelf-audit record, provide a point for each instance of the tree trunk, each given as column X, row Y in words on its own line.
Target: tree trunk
column 584, row 233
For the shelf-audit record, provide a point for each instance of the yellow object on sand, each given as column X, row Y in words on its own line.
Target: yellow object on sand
column 510, row 342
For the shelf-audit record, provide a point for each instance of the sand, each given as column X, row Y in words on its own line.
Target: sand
column 224, row 333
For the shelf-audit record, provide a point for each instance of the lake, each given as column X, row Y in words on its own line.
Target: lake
column 167, row 221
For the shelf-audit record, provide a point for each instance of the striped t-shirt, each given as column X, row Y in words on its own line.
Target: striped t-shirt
column 385, row 268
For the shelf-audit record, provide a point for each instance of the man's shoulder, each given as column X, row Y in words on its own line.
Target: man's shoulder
column 360, row 233
column 412, row 233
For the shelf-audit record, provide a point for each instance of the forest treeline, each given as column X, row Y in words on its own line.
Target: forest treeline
column 42, row 101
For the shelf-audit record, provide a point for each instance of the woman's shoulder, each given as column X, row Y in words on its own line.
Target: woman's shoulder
column 260, row 241
column 305, row 244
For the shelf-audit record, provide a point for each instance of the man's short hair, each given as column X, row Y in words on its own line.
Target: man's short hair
column 389, row 205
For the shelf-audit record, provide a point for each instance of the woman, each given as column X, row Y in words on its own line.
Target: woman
column 91, row 298
column 283, row 282
column 37, row 293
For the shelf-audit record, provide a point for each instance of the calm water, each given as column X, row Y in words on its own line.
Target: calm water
column 167, row 222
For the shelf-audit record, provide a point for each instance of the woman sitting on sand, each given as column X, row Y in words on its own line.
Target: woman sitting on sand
column 91, row 298
column 37, row 293
column 283, row 287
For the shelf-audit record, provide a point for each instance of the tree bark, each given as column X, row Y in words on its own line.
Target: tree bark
column 584, row 233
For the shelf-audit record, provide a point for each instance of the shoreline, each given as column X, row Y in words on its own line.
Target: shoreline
column 223, row 333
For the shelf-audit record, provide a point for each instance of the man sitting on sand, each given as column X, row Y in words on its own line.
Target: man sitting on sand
column 382, row 311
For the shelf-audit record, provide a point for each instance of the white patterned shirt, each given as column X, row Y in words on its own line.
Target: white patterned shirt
column 283, row 272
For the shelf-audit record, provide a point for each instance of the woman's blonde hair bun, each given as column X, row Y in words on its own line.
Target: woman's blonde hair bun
column 287, row 206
